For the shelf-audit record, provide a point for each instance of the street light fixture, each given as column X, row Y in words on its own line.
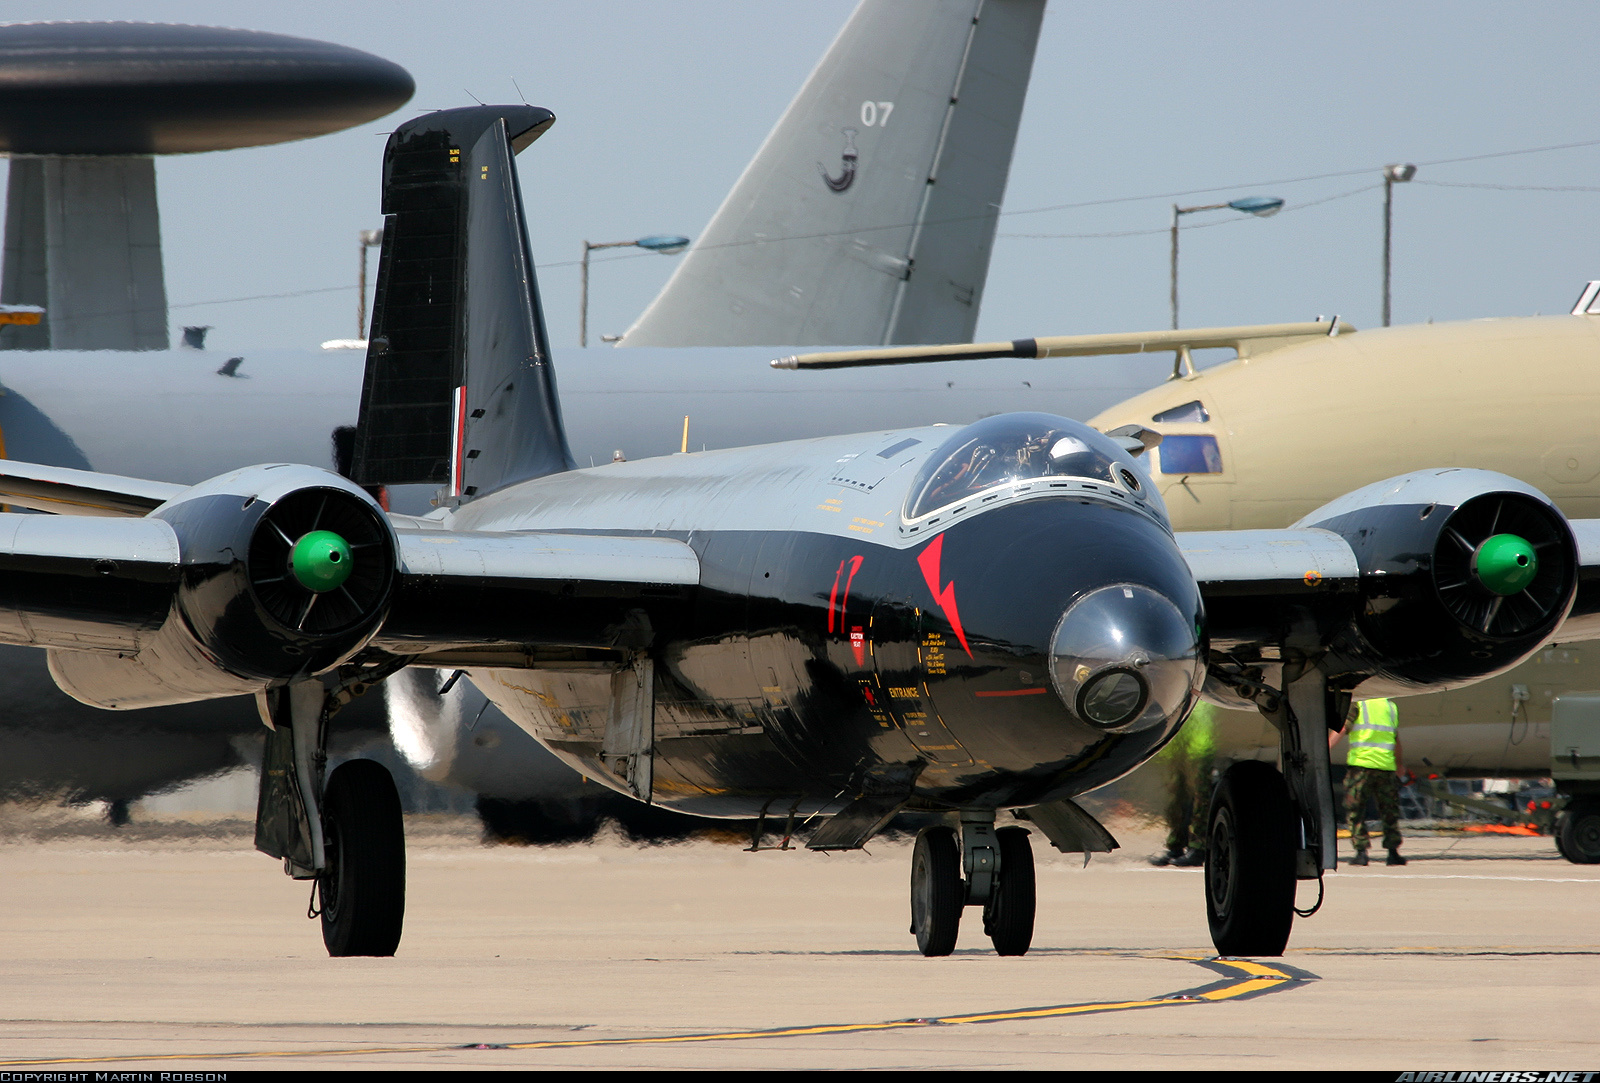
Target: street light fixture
column 1260, row 206
column 1392, row 175
column 669, row 244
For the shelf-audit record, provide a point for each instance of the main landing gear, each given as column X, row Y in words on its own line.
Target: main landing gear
column 347, row 835
column 980, row 867
column 1250, row 856
column 1268, row 829
column 362, row 884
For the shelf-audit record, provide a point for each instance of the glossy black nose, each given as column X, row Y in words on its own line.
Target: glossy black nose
column 1124, row 658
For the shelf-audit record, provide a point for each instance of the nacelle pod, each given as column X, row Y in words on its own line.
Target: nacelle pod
column 283, row 571
column 1464, row 573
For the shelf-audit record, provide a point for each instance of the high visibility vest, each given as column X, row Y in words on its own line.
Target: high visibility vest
column 1372, row 739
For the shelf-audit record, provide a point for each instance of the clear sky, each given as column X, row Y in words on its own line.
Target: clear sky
column 1132, row 106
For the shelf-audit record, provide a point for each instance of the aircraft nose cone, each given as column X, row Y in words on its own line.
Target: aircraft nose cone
column 1123, row 658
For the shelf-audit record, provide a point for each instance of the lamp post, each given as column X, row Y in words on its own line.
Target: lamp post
column 1392, row 175
column 1260, row 206
column 667, row 245
column 370, row 238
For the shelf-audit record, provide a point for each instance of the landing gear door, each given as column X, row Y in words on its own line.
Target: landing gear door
column 904, row 657
column 629, row 746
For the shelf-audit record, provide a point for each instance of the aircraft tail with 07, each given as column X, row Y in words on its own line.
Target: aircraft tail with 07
column 983, row 621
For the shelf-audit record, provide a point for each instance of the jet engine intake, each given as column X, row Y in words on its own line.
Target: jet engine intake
column 284, row 572
column 1464, row 573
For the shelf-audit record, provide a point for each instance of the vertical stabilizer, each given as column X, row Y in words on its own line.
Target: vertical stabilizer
column 459, row 390
column 869, row 213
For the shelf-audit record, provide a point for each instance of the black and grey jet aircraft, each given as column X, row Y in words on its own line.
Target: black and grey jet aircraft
column 983, row 622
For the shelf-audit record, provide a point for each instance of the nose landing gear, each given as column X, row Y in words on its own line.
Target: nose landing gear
column 998, row 867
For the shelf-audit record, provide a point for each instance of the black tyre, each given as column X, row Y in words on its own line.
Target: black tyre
column 363, row 889
column 1008, row 916
column 936, row 891
column 1578, row 836
column 1250, row 852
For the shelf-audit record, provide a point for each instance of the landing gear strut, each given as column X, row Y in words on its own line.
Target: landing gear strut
column 998, row 868
column 348, row 836
column 1267, row 830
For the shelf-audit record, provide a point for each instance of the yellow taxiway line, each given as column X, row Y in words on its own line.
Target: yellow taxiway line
column 1242, row 977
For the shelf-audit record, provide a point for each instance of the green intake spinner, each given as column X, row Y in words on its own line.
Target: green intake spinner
column 321, row 561
column 1505, row 564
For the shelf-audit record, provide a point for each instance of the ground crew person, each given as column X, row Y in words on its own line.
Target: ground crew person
column 1189, row 761
column 1372, row 766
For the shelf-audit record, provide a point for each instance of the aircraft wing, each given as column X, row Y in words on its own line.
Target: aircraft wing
column 80, row 492
column 1311, row 585
column 453, row 598
column 468, row 597
column 1256, row 582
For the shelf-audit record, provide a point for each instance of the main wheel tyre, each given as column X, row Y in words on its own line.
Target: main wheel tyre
column 936, row 891
column 1579, row 839
column 363, row 888
column 1250, row 855
column 1008, row 916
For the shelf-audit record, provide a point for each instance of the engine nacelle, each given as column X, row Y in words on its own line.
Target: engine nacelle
column 285, row 571
column 1464, row 573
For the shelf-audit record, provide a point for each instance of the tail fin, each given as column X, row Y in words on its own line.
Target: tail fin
column 868, row 215
column 459, row 388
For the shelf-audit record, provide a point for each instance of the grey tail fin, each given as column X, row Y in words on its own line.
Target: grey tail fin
column 868, row 215
column 459, row 389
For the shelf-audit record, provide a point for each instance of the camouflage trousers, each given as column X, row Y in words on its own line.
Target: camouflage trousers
column 1384, row 789
column 1189, row 786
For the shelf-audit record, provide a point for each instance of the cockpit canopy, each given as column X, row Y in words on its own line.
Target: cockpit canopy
column 1009, row 448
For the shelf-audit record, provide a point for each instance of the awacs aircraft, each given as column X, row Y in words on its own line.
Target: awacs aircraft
column 977, row 620
column 807, row 218
column 1308, row 411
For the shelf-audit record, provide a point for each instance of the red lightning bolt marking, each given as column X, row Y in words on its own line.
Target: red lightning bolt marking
column 833, row 597
column 855, row 566
column 928, row 561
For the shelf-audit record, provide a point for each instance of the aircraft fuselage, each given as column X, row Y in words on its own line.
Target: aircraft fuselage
column 834, row 643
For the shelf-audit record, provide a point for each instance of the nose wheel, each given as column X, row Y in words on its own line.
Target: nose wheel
column 1250, row 861
column 999, row 877
column 1008, row 915
column 936, row 891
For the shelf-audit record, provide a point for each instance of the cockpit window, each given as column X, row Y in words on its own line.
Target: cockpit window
column 1189, row 412
column 1004, row 449
column 1190, row 455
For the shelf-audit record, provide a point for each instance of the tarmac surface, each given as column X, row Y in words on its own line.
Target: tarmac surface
column 174, row 947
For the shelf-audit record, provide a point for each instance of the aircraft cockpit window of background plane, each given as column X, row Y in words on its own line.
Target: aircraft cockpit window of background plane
column 1193, row 412
column 1008, row 449
column 1189, row 454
